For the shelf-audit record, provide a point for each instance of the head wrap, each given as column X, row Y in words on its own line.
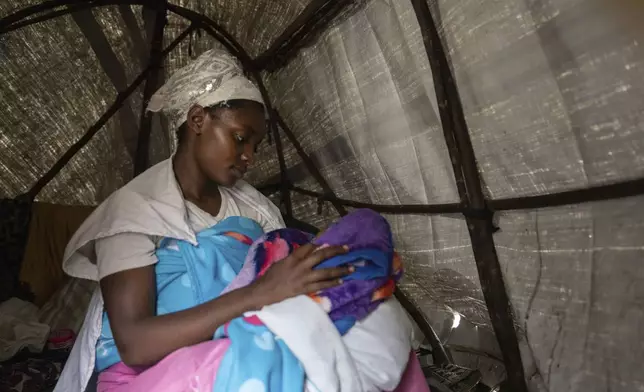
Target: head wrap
column 213, row 77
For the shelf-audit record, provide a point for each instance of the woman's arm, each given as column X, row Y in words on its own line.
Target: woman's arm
column 143, row 338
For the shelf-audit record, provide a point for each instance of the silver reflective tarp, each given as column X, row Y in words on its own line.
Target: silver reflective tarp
column 552, row 95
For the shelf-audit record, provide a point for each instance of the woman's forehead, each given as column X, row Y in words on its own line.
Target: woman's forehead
column 250, row 119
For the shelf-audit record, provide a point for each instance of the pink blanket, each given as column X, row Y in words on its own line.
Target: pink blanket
column 195, row 368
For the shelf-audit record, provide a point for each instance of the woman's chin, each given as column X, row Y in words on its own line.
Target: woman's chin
column 229, row 182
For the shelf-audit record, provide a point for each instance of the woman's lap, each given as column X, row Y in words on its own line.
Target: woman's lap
column 191, row 368
column 195, row 368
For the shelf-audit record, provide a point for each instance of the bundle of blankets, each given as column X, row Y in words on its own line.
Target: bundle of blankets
column 353, row 337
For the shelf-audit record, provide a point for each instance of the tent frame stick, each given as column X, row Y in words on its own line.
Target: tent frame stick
column 18, row 20
column 614, row 191
column 470, row 190
column 121, row 98
column 155, row 63
column 449, row 208
column 141, row 44
column 284, row 179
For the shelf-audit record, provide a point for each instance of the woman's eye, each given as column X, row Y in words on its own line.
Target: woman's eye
column 239, row 138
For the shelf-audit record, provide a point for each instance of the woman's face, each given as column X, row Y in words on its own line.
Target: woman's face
column 227, row 141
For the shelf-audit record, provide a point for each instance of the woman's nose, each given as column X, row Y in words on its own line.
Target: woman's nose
column 249, row 154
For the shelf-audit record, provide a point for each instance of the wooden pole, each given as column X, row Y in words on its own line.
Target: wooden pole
column 470, row 189
column 614, row 191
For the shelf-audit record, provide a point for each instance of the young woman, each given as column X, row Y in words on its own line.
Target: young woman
column 220, row 119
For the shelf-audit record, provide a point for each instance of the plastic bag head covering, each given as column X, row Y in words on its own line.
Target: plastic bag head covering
column 211, row 78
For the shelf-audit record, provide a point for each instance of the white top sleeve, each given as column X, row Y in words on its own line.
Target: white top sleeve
column 124, row 251
column 255, row 205
column 267, row 224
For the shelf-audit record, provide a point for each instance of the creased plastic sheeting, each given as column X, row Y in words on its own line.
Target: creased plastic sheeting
column 255, row 24
column 574, row 274
column 439, row 264
column 53, row 89
column 552, row 90
column 360, row 102
column 97, row 170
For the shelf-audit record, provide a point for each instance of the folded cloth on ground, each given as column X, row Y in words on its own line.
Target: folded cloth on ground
column 20, row 328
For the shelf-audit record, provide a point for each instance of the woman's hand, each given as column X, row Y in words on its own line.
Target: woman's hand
column 295, row 275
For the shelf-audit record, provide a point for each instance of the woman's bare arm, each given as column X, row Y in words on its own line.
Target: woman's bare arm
column 142, row 337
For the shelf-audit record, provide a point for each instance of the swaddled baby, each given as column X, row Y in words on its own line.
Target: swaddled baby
column 352, row 337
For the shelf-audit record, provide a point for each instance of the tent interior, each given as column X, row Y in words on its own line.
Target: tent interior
column 502, row 139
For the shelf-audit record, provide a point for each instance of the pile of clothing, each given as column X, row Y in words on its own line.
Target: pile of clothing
column 31, row 355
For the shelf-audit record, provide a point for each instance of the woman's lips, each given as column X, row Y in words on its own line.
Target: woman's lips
column 238, row 172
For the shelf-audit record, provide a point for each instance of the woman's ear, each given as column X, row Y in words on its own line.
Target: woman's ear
column 196, row 119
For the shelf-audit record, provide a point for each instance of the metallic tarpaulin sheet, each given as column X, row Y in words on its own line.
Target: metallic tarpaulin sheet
column 551, row 90
column 52, row 90
column 552, row 96
column 575, row 277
